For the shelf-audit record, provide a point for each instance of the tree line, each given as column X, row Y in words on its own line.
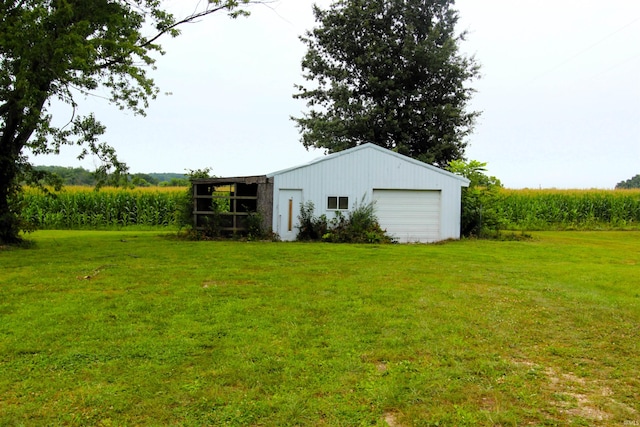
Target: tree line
column 81, row 176
column 629, row 183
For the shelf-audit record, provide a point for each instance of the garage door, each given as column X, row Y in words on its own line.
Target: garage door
column 409, row 215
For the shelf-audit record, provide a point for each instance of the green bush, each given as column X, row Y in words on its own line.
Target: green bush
column 310, row 227
column 255, row 228
column 480, row 208
column 359, row 226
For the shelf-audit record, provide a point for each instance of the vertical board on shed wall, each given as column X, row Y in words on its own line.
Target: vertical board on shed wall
column 409, row 215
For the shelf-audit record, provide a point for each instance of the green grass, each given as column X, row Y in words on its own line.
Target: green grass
column 135, row 328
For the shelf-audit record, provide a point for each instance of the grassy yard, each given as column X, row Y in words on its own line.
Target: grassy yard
column 134, row 328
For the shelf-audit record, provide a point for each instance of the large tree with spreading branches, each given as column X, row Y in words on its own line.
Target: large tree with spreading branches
column 55, row 50
column 388, row 72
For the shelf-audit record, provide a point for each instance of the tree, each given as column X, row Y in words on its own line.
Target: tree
column 69, row 175
column 480, row 216
column 388, row 72
column 57, row 49
column 629, row 183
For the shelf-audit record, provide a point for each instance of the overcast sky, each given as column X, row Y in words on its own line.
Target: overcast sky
column 560, row 94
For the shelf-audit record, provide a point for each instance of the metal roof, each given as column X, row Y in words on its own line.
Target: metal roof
column 370, row 146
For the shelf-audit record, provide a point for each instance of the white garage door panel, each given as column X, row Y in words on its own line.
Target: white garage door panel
column 409, row 215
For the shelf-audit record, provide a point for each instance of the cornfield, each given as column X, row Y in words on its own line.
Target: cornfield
column 82, row 208
column 569, row 209
column 77, row 207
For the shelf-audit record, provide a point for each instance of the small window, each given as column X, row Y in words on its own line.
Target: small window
column 337, row 203
column 343, row 203
column 332, row 203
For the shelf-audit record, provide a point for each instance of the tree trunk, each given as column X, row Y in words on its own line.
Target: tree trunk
column 18, row 128
column 9, row 211
column 9, row 220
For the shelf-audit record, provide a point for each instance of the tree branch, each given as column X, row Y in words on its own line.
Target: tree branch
column 186, row 20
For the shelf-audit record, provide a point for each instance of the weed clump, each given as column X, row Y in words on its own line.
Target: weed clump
column 360, row 225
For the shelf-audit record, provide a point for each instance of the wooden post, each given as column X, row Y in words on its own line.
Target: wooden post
column 290, row 214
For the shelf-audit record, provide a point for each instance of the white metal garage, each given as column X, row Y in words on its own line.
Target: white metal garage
column 409, row 215
column 415, row 201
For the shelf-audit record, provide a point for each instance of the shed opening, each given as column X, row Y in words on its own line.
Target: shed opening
column 222, row 206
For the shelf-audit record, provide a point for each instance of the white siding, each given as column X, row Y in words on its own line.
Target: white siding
column 356, row 172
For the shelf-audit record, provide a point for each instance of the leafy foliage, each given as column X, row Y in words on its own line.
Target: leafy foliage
column 359, row 226
column 255, row 228
column 186, row 216
column 310, row 227
column 387, row 72
column 480, row 215
column 69, row 175
column 56, row 49
column 629, row 183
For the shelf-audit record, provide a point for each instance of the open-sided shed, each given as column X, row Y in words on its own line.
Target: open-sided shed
column 414, row 201
column 223, row 205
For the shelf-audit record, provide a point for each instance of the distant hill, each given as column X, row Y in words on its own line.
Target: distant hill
column 167, row 176
column 81, row 176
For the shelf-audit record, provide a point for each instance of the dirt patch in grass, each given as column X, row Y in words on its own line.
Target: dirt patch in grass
column 579, row 397
column 391, row 419
column 381, row 367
